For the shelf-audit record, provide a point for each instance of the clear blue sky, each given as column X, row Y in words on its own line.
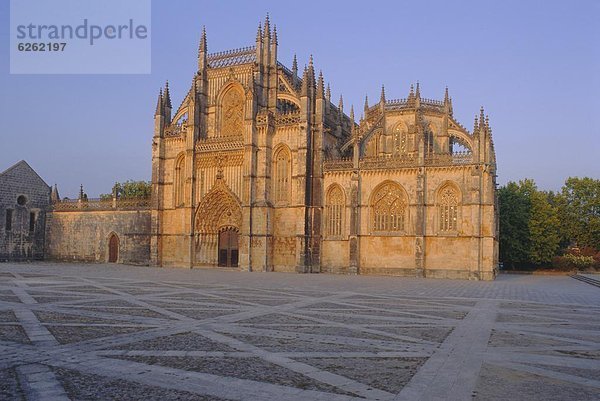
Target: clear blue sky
column 533, row 65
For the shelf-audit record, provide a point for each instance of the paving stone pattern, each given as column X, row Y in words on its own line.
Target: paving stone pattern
column 100, row 332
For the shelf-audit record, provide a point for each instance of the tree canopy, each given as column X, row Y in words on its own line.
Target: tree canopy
column 130, row 190
column 536, row 226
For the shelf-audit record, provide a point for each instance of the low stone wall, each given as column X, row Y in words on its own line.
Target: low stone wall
column 84, row 235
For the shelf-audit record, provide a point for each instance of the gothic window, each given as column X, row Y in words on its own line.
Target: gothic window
column 285, row 106
column 428, row 142
column 388, row 207
column 400, row 140
column 334, row 211
column 179, row 182
column 281, row 175
column 232, row 113
column 448, row 208
column 373, row 147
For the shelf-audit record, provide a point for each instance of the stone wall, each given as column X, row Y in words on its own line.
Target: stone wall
column 24, row 197
column 83, row 236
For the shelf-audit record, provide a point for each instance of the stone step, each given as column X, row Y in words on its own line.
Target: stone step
column 586, row 279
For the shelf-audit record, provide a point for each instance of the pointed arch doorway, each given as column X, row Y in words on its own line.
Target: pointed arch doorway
column 228, row 247
column 113, row 248
column 217, row 227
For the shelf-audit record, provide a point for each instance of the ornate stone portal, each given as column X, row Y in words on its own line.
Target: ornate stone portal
column 258, row 169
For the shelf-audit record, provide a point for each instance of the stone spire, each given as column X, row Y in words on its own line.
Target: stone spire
column 304, row 89
column 274, row 38
column 311, row 71
column 352, row 115
column 259, row 45
column 167, row 103
column 382, row 97
column 159, row 104
column 273, row 48
column 328, row 93
column 320, row 86
column 202, row 51
column 259, row 34
column 481, row 118
column 295, row 66
column 267, row 31
column 167, row 96
column 418, row 91
column 447, row 102
column 54, row 196
column 295, row 72
column 411, row 94
column 366, row 104
column 341, row 104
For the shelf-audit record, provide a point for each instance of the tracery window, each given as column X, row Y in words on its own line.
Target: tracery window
column 389, row 208
column 281, row 175
column 400, row 140
column 232, row 113
column 179, row 182
column 448, row 208
column 334, row 211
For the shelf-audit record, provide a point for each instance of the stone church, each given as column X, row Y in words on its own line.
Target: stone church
column 258, row 169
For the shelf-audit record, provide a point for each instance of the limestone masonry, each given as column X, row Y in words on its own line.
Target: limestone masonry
column 258, row 169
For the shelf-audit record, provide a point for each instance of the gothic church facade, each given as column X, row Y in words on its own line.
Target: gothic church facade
column 257, row 169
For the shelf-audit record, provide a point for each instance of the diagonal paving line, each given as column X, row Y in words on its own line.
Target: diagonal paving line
column 196, row 382
column 582, row 381
column 40, row 384
column 323, row 376
column 452, row 371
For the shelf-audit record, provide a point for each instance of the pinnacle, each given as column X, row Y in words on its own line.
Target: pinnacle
column 259, row 33
column 167, row 95
column 159, row 103
column 304, row 89
column 267, row 31
column 202, row 47
column 320, row 86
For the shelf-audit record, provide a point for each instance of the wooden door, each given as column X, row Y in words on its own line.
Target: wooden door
column 228, row 248
column 113, row 249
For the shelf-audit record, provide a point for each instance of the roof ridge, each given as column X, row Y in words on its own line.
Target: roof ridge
column 28, row 166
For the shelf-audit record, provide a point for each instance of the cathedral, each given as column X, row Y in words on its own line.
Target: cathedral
column 257, row 169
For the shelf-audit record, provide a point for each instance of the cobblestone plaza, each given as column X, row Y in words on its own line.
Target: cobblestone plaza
column 97, row 332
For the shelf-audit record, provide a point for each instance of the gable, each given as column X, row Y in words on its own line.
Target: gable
column 22, row 175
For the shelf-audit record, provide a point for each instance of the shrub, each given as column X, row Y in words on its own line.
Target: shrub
column 579, row 262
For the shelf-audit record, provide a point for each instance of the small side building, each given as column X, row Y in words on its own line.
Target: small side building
column 24, row 199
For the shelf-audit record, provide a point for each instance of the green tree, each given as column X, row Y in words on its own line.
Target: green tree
column 514, row 230
column 580, row 211
column 544, row 228
column 130, row 190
